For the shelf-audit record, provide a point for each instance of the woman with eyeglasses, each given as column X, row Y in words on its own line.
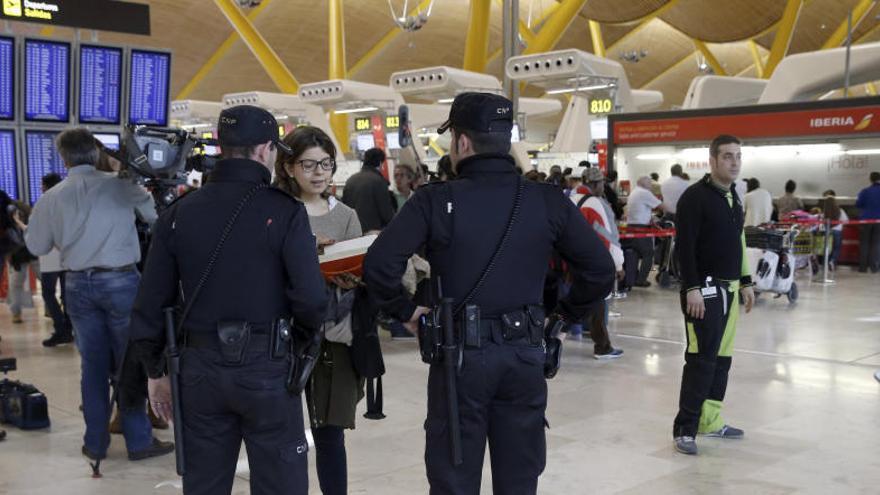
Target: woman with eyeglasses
column 334, row 388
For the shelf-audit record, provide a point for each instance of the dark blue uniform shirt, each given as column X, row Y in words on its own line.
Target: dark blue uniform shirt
column 268, row 267
column 459, row 225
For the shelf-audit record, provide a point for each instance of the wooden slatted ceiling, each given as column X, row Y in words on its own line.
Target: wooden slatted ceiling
column 720, row 21
column 297, row 30
column 619, row 11
column 664, row 47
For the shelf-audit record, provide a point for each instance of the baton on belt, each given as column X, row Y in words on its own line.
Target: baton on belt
column 450, row 370
column 173, row 356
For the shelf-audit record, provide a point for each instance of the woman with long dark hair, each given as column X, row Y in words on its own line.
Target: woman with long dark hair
column 832, row 210
column 335, row 387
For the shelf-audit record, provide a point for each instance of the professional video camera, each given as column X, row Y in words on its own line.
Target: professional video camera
column 21, row 404
column 160, row 157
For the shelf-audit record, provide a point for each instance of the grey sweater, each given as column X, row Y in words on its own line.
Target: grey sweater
column 340, row 224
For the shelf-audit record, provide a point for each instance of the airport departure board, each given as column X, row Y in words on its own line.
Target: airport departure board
column 148, row 87
column 41, row 158
column 8, row 168
column 110, row 140
column 100, row 84
column 7, row 78
column 46, row 81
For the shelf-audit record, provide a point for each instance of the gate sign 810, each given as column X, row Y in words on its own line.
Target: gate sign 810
column 601, row 105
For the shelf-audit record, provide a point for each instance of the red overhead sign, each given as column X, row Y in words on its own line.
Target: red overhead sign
column 820, row 122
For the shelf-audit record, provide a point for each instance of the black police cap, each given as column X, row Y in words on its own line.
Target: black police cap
column 480, row 112
column 247, row 125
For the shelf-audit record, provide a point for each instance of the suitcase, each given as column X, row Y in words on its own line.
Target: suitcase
column 765, row 272
column 784, row 276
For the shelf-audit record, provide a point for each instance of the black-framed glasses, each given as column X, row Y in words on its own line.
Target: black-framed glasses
column 327, row 164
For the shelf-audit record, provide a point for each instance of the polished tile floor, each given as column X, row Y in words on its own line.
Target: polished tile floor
column 802, row 387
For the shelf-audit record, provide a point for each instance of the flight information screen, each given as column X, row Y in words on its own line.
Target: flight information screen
column 149, row 86
column 42, row 158
column 46, row 81
column 8, row 168
column 7, row 78
column 110, row 140
column 100, row 84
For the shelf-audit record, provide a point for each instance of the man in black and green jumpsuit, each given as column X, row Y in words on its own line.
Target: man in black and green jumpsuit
column 710, row 243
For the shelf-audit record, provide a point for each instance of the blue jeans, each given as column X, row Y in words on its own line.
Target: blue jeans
column 838, row 243
column 99, row 304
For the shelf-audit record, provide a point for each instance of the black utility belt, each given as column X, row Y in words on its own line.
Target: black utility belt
column 470, row 330
column 232, row 338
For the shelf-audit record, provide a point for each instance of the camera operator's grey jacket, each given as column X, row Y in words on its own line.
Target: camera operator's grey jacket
column 90, row 218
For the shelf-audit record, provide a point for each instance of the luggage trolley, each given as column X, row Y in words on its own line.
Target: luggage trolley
column 773, row 260
column 667, row 269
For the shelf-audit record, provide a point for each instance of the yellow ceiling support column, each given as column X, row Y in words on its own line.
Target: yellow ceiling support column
column 555, row 26
column 336, row 68
column 386, row 40
column 871, row 89
column 272, row 64
column 756, row 57
column 476, row 46
column 859, row 12
column 782, row 40
column 47, row 31
column 596, row 36
column 217, row 55
column 710, row 58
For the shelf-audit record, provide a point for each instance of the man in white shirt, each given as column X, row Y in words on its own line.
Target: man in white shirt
column 672, row 189
column 758, row 204
column 639, row 209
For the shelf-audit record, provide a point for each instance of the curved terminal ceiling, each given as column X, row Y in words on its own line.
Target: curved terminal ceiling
column 725, row 20
column 621, row 11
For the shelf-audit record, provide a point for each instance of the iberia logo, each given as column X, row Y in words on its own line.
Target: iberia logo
column 866, row 121
column 12, row 8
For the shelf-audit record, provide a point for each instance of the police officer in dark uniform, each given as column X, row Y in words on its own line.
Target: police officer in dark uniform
column 501, row 388
column 232, row 378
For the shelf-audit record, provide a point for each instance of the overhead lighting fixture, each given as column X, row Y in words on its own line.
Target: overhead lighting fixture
column 655, row 156
column 445, row 100
column 579, row 88
column 862, row 152
column 355, row 110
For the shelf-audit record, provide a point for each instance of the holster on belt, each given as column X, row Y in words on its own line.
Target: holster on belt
column 305, row 346
column 553, row 344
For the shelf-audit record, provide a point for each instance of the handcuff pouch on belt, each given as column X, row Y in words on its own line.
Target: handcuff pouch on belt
column 526, row 323
column 234, row 337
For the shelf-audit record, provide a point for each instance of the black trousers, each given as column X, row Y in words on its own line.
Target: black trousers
column 707, row 363
column 502, row 397
column 60, row 321
column 224, row 404
column 869, row 247
column 645, row 249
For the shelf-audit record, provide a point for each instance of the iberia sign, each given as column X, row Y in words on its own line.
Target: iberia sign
column 819, row 122
column 104, row 15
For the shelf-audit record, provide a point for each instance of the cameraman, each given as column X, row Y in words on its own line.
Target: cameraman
column 233, row 371
column 90, row 217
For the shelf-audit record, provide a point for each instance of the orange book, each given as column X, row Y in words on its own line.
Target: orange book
column 345, row 257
